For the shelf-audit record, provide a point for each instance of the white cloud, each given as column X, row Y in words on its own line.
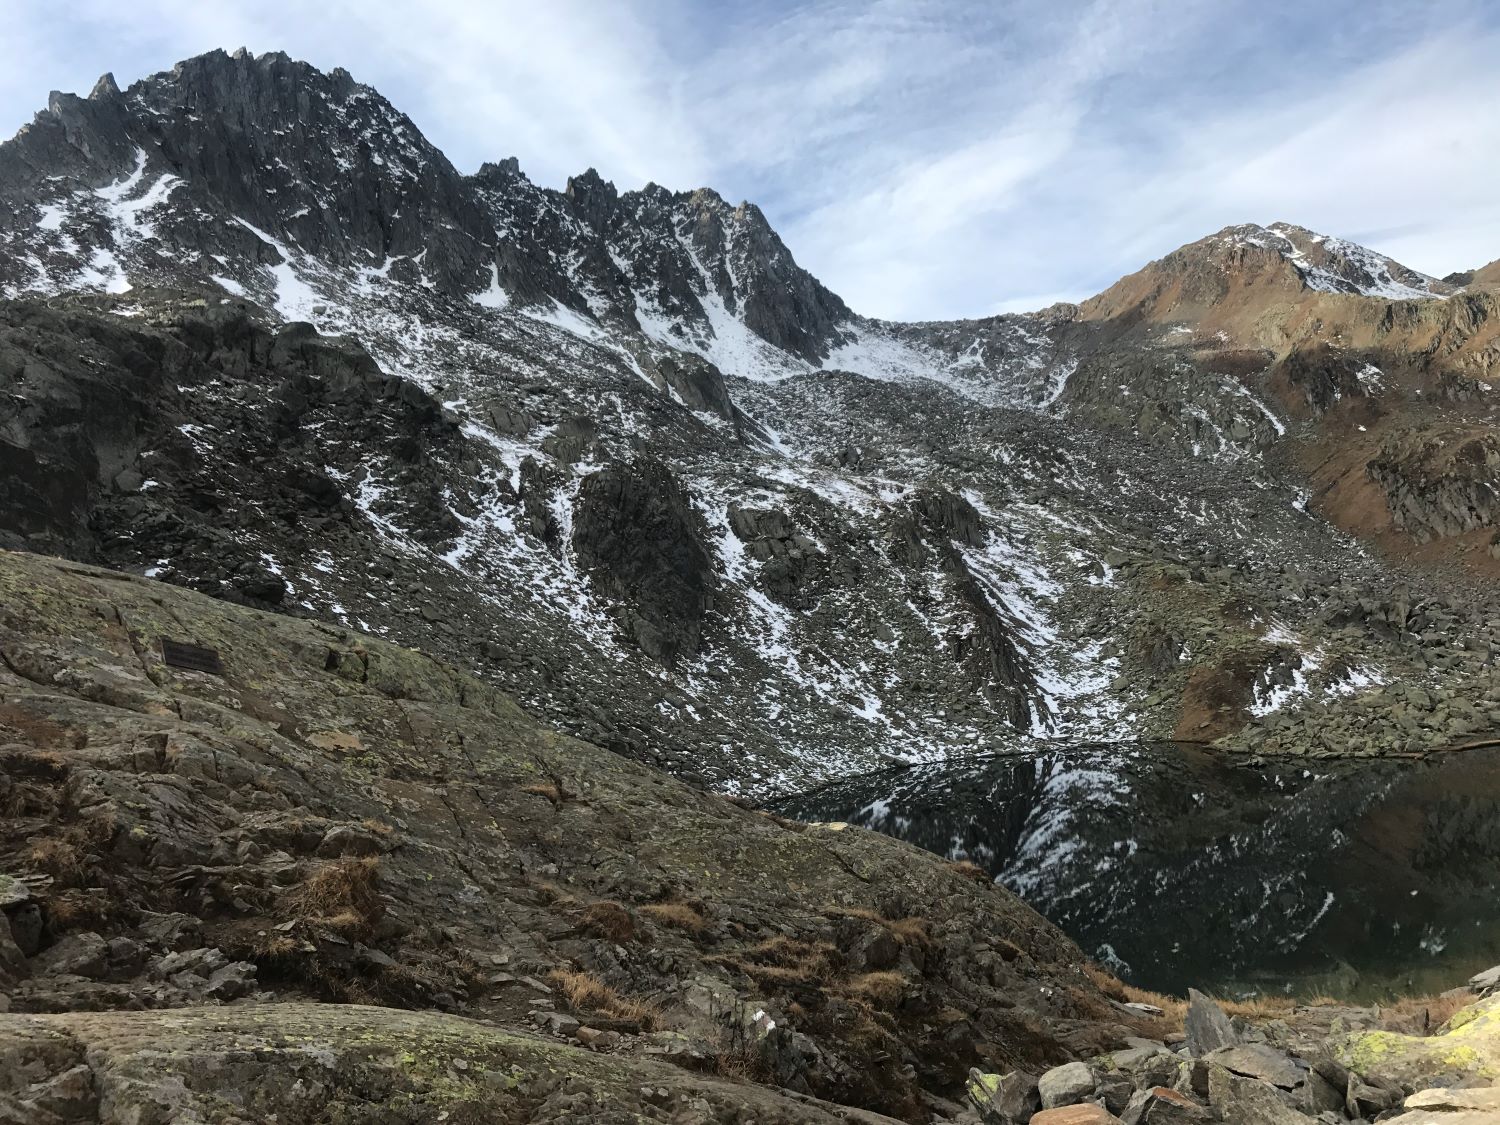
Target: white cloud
column 925, row 158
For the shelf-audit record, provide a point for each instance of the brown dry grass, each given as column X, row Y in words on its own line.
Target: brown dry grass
column 786, row 962
column 882, row 989
column 80, row 910
column 1254, row 1009
column 1422, row 1015
column 271, row 944
column 742, row 1064
column 968, row 869
column 677, row 915
column 608, row 920
column 585, row 992
column 342, row 896
column 63, row 859
column 912, row 930
column 1173, row 1009
column 1260, row 1007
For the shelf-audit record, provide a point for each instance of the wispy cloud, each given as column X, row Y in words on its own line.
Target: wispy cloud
column 926, row 158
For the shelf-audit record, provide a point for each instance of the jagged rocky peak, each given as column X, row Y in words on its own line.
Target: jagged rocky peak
column 237, row 156
column 274, row 180
column 593, row 197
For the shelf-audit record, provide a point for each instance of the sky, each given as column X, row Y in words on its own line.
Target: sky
column 925, row 159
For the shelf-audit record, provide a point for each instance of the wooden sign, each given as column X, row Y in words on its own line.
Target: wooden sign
column 195, row 658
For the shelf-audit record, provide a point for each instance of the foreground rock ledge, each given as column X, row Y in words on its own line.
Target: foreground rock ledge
column 347, row 1063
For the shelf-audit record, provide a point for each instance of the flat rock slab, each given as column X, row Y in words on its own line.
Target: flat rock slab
column 1076, row 1115
column 1453, row 1100
column 1255, row 1060
column 330, row 1062
column 1487, row 981
column 1451, row 1107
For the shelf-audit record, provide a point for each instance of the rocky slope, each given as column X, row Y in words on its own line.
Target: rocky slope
column 619, row 454
column 331, row 818
column 309, row 875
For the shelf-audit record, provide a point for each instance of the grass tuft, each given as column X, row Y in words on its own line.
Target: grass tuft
column 585, row 992
column 342, row 896
column 677, row 916
column 609, row 920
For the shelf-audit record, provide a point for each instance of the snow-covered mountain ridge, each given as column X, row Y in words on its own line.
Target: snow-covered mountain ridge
column 619, row 452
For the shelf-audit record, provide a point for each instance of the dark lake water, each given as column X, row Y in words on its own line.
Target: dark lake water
column 1174, row 866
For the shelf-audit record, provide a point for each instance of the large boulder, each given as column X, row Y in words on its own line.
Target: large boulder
column 1468, row 1045
column 1487, row 982
column 1256, row 1060
column 1206, row 1026
column 1004, row 1099
column 1247, row 1101
column 1066, row 1085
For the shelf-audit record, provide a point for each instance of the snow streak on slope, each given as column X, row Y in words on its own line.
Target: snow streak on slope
column 120, row 216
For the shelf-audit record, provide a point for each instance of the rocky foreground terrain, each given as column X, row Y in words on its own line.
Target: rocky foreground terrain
column 339, row 880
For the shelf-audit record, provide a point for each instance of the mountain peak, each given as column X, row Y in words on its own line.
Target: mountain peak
column 594, row 197
column 105, row 89
column 1329, row 264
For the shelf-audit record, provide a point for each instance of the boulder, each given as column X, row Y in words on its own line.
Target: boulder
column 1365, row 1100
column 1486, row 982
column 1147, row 1066
column 1450, row 1107
column 84, row 955
column 24, row 923
column 1076, row 1115
column 1066, row 1085
column 1004, row 1099
column 12, row 960
column 350, row 840
column 1248, row 1101
column 563, row 1026
column 1160, row 1105
column 231, row 981
column 599, row 1040
column 1468, row 1046
column 1256, row 1060
column 1321, row 1096
column 1113, row 1091
column 1206, row 1026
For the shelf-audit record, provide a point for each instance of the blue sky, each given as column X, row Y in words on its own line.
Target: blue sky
column 925, row 158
